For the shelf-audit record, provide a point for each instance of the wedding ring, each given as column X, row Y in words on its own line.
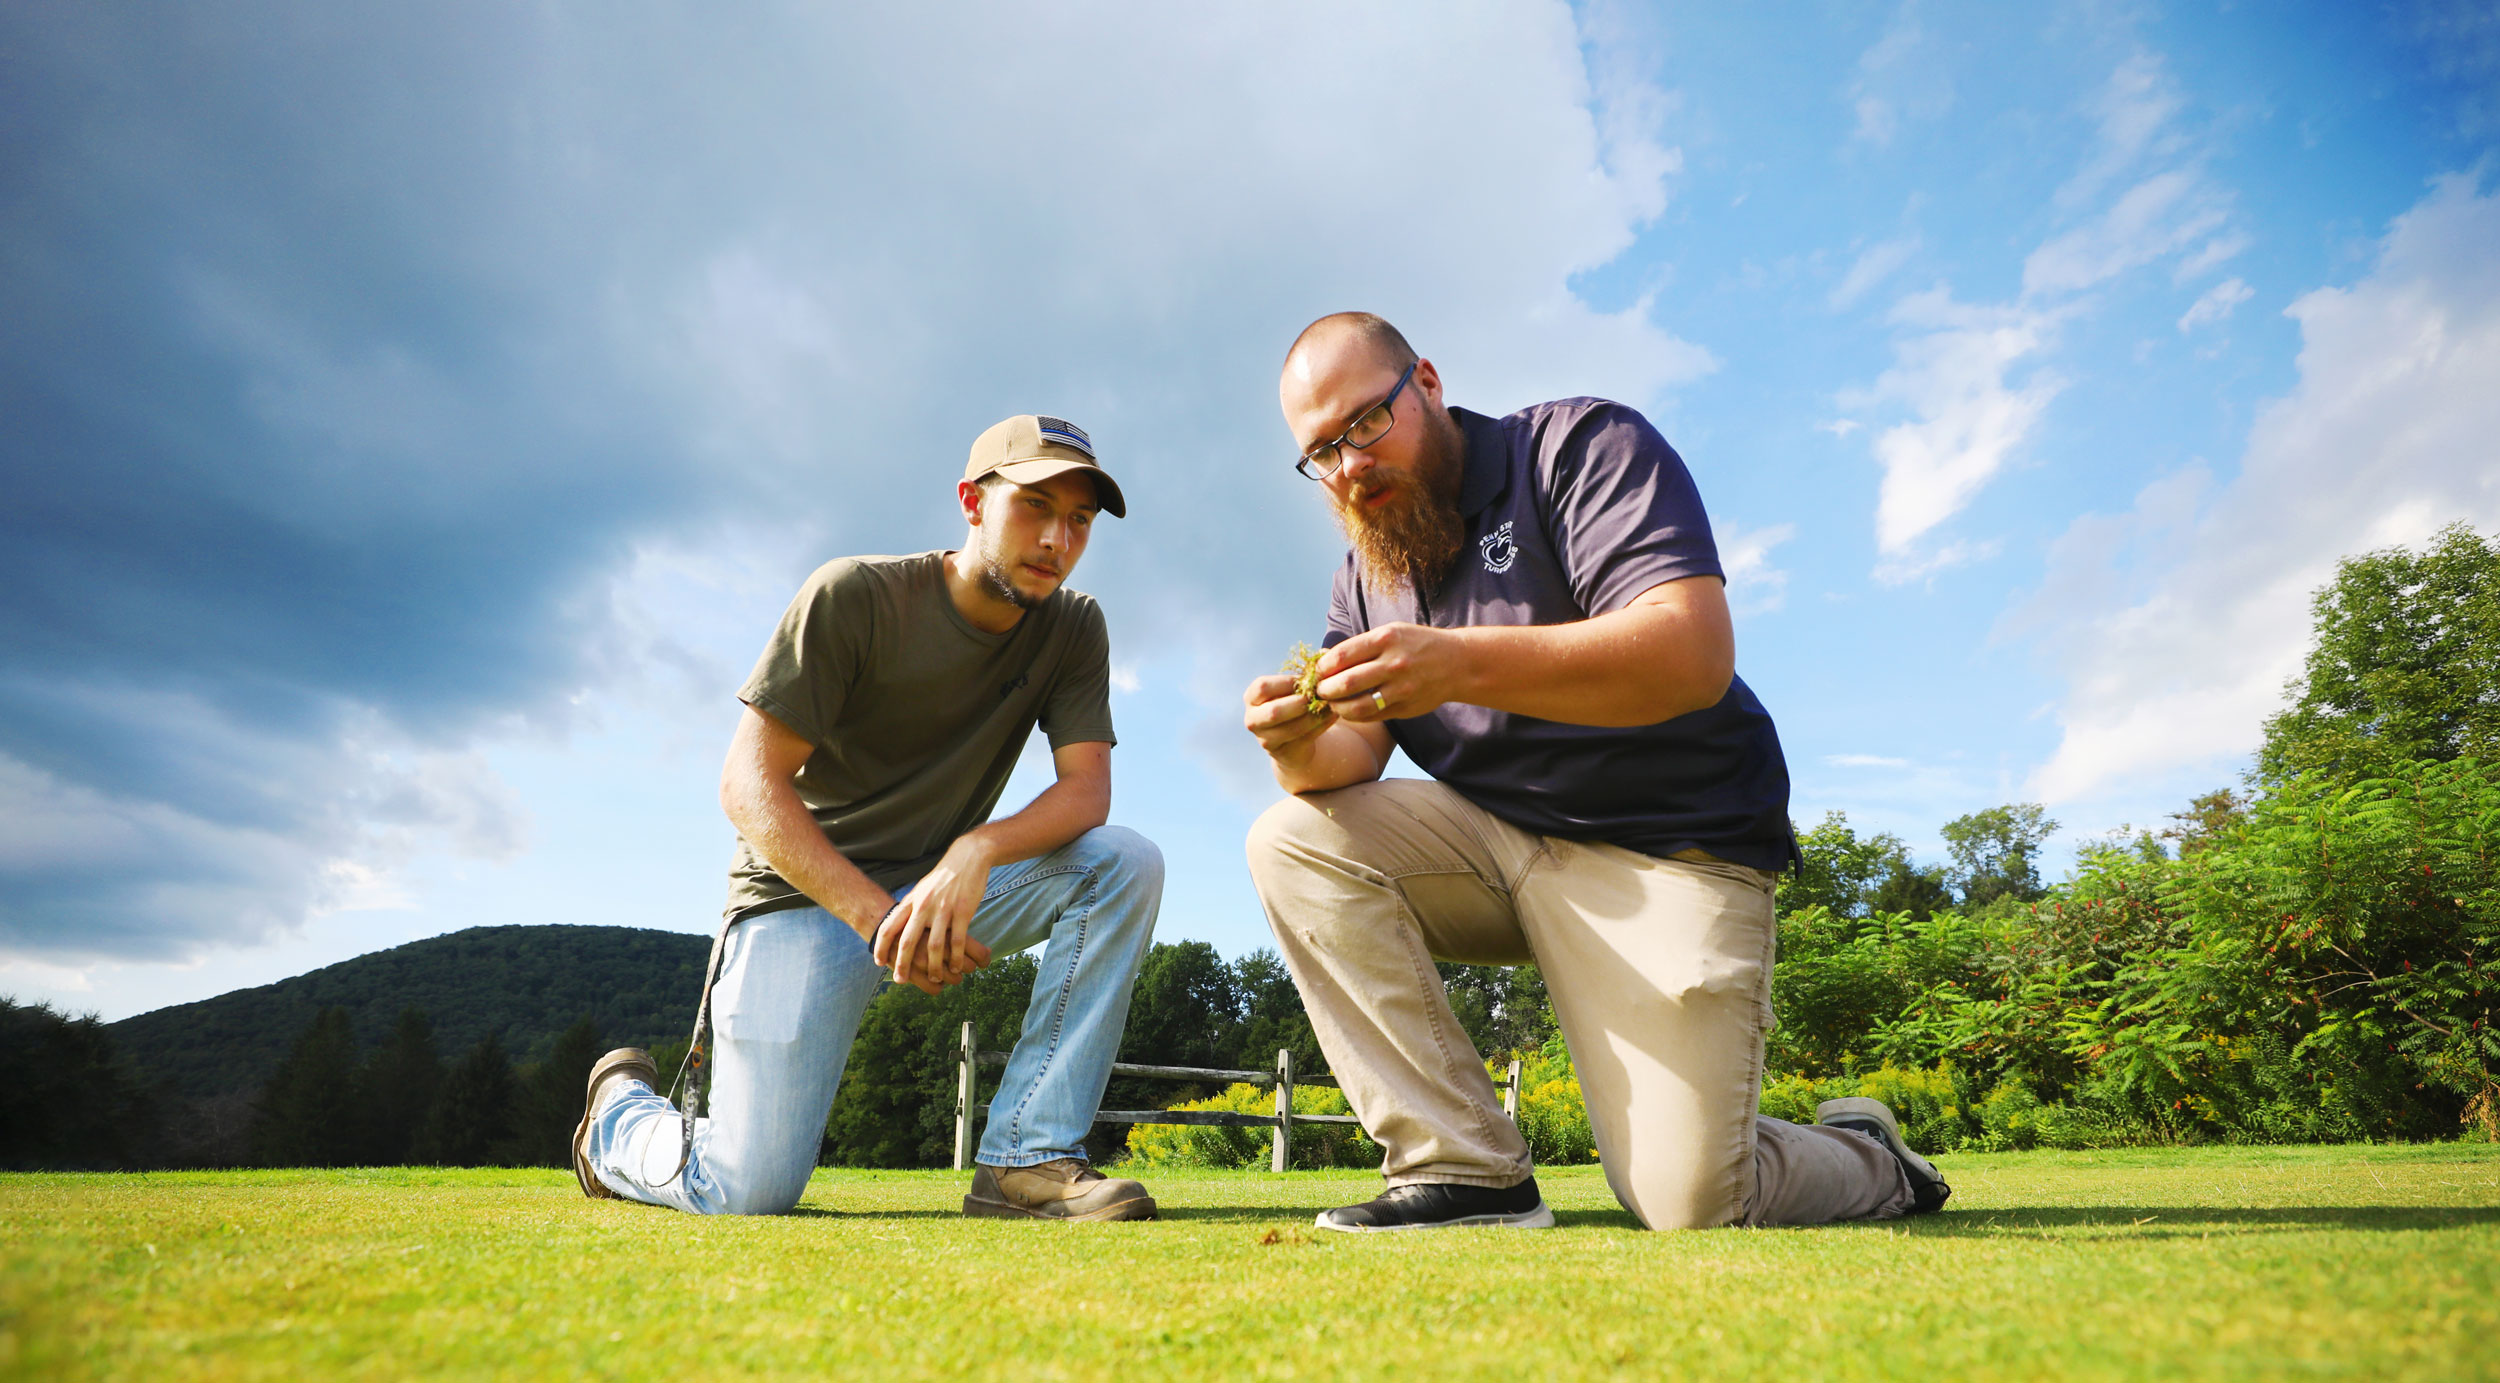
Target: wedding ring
column 1378, row 701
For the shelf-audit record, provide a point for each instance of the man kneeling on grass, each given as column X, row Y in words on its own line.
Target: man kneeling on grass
column 881, row 724
column 1533, row 610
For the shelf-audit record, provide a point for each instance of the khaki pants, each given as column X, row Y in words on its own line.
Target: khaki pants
column 1659, row 971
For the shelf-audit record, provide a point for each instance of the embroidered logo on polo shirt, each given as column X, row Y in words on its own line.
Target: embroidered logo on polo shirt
column 1499, row 551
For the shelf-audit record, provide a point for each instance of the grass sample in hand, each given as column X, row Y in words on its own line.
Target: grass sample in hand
column 1303, row 663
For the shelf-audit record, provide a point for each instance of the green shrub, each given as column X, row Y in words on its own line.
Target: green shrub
column 1198, row 1145
column 1553, row 1116
column 2326, row 968
column 1937, row 1110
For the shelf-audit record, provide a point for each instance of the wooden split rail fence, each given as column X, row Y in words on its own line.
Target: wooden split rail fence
column 1280, row 1124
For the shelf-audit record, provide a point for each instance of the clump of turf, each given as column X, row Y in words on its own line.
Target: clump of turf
column 1303, row 663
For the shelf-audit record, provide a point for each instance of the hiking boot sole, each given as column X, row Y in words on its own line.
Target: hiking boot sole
column 632, row 1061
column 592, row 1186
column 1928, row 1188
column 1540, row 1218
column 1136, row 1208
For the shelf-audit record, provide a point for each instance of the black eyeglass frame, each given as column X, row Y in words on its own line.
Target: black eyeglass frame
column 1309, row 458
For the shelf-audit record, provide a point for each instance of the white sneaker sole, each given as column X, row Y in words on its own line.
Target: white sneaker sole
column 1540, row 1218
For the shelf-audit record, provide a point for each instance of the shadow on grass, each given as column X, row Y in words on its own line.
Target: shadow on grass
column 2177, row 1221
column 2064, row 1222
column 1270, row 1214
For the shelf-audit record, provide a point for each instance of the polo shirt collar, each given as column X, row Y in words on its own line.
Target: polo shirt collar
column 1487, row 471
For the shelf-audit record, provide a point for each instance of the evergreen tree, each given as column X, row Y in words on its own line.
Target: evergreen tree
column 896, row 1106
column 309, row 1115
column 400, row 1081
column 549, row 1105
column 471, row 1121
column 76, row 1104
column 2406, row 664
column 877, row 1118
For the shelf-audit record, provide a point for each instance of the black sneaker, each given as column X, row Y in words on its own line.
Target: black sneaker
column 1874, row 1119
column 1440, row 1205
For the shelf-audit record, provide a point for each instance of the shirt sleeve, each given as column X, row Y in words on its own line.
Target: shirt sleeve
column 1078, row 708
column 1626, row 515
column 815, row 654
column 1344, row 620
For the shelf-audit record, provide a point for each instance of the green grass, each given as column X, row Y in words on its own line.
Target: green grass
column 2347, row 1262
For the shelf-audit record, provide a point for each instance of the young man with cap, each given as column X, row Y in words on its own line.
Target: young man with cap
column 881, row 724
column 1533, row 610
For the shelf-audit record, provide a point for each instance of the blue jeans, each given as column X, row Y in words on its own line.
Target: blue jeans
column 793, row 985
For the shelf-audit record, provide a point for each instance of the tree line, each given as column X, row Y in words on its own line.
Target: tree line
column 2313, row 955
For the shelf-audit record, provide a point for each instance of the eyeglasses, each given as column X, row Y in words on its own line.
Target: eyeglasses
column 1322, row 461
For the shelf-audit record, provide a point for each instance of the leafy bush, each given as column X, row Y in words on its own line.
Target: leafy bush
column 2320, row 962
column 1553, row 1115
column 1197, row 1145
column 2332, row 966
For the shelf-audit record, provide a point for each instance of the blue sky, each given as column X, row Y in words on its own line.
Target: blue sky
column 411, row 424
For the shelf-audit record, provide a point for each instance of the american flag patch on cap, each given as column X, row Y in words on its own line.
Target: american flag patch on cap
column 1066, row 434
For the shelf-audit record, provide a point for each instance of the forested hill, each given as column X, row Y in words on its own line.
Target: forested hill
column 523, row 984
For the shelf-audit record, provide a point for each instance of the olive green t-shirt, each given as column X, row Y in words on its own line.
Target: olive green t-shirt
column 917, row 716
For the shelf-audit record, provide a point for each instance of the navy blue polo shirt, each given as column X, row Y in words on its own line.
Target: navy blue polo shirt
column 1572, row 508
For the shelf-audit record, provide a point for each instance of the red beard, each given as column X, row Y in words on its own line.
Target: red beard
column 1413, row 538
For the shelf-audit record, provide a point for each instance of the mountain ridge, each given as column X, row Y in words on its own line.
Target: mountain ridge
column 523, row 983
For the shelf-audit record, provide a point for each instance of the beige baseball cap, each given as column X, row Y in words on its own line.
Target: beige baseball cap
column 1030, row 448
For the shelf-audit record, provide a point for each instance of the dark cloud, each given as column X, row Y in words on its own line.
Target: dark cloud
column 346, row 356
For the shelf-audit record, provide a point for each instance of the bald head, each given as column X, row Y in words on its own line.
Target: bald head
column 1343, row 340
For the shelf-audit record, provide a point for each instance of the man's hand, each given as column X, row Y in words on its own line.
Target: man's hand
column 927, row 939
column 1279, row 717
column 1310, row 753
column 1391, row 672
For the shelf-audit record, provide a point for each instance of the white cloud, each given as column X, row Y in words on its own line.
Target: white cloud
column 1754, row 586
column 2221, row 248
column 1968, row 414
column 2219, row 302
column 2155, row 217
column 1124, row 677
column 2177, row 623
column 1975, row 379
column 2133, row 114
column 1873, row 265
column 1864, row 761
column 328, row 828
column 1898, row 79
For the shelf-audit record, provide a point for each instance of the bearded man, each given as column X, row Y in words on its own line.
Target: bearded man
column 880, row 726
column 1533, row 609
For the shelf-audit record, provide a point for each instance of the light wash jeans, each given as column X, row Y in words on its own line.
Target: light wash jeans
column 793, row 985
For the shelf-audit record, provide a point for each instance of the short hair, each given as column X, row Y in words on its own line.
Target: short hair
column 1383, row 341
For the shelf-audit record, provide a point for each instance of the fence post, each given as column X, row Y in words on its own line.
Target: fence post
column 963, row 1101
column 1510, row 1092
column 1283, row 1153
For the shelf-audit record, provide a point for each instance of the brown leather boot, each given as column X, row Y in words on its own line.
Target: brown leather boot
column 607, row 1075
column 1065, row 1189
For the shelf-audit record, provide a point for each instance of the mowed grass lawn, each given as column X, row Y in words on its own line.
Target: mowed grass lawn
column 2346, row 1262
